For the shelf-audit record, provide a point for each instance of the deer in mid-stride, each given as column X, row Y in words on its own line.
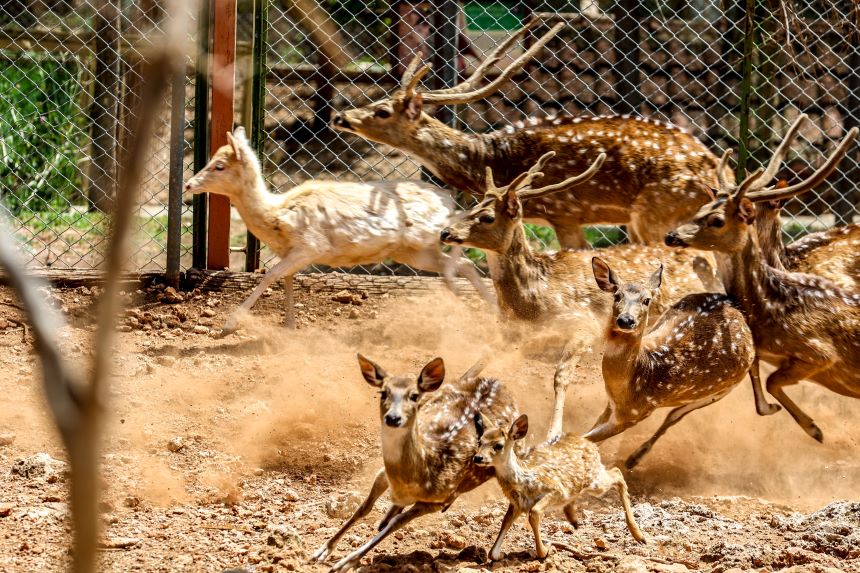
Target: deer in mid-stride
column 428, row 444
column 333, row 223
column 697, row 352
column 656, row 175
column 556, row 289
column 805, row 325
column 549, row 476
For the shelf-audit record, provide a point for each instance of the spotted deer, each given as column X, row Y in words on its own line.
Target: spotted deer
column 805, row 325
column 555, row 289
column 697, row 352
column 331, row 222
column 551, row 475
column 428, row 442
column 655, row 176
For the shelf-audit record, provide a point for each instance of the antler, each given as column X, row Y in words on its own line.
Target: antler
column 476, row 369
column 526, row 194
column 410, row 78
column 465, row 92
column 775, row 192
column 725, row 184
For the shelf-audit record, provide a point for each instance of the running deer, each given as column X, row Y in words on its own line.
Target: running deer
column 698, row 351
column 333, row 223
column 428, row 442
column 805, row 325
column 549, row 476
column 656, row 175
column 833, row 254
column 555, row 289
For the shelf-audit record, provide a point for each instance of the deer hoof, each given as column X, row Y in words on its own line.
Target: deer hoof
column 229, row 328
column 769, row 409
column 320, row 554
column 635, row 458
column 816, row 433
column 346, row 564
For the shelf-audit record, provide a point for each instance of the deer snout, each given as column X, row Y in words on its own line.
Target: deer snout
column 625, row 321
column 447, row 236
column 673, row 240
column 393, row 420
column 478, row 459
column 339, row 120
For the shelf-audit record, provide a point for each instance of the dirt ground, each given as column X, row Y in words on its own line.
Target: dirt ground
column 247, row 453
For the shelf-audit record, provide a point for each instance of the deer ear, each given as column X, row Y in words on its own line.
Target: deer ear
column 481, row 423
column 606, row 279
column 746, row 211
column 656, row 279
column 432, row 375
column 234, row 143
column 511, row 203
column 372, row 372
column 413, row 107
column 519, row 428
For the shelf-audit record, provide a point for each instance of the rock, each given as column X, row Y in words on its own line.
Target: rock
column 170, row 322
column 344, row 505
column 171, row 296
column 124, row 328
column 600, row 543
column 446, row 539
column 291, row 495
column 131, row 501
column 166, row 360
column 42, row 466
column 632, row 564
column 118, row 542
column 6, row 509
column 473, row 553
column 175, row 444
column 4, row 324
column 283, row 537
column 200, row 329
column 6, row 438
column 353, row 314
column 343, row 297
column 208, row 312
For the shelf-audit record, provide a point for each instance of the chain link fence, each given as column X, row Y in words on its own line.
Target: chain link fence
column 70, row 79
column 70, row 74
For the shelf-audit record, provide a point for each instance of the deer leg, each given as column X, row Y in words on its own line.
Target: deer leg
column 606, row 426
column 289, row 265
column 380, row 484
column 616, row 478
column 762, row 406
column 672, row 418
column 510, row 517
column 570, row 237
column 290, row 317
column 398, row 521
column 467, row 269
column 562, row 379
column 570, row 514
column 792, row 372
column 707, row 274
column 535, row 515
column 394, row 510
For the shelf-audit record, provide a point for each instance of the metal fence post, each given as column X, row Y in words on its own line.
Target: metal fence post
column 629, row 17
column 258, row 105
column 445, row 42
column 177, row 168
column 201, row 133
column 746, row 88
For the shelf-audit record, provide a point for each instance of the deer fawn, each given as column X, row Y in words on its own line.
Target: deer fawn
column 556, row 289
column 651, row 167
column 805, row 325
column 428, row 442
column 333, row 223
column 551, row 475
column 700, row 348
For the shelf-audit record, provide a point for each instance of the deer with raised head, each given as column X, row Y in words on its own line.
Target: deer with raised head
column 555, row 288
column 552, row 475
column 333, row 223
column 655, row 175
column 697, row 352
column 428, row 442
column 805, row 325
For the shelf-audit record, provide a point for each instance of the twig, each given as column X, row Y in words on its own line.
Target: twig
column 577, row 554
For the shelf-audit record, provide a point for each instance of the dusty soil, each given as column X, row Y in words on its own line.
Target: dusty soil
column 248, row 452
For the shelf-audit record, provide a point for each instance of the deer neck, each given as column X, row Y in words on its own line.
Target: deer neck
column 519, row 277
column 508, row 470
column 622, row 355
column 403, row 451
column 747, row 282
column 769, row 233
column 452, row 156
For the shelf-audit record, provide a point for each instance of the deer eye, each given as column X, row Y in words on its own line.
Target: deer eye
column 414, row 397
column 716, row 221
column 646, row 302
column 219, row 166
column 382, row 113
column 487, row 219
column 497, row 448
column 383, row 394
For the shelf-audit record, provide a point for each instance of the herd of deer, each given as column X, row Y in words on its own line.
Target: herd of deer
column 683, row 338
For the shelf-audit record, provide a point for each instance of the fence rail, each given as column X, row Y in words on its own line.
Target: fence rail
column 71, row 72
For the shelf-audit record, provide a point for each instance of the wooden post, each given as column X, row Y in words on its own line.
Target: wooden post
column 629, row 18
column 258, row 103
column 746, row 88
column 224, row 58
column 201, row 132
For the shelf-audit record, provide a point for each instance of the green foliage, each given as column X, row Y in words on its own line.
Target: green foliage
column 41, row 132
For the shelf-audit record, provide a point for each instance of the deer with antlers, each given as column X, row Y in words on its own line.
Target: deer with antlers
column 556, row 289
column 428, row 443
column 805, row 325
column 651, row 167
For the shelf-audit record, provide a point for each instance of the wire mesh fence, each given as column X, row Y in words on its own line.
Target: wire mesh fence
column 70, row 70
column 70, row 77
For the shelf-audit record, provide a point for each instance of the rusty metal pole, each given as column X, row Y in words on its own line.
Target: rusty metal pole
column 223, row 69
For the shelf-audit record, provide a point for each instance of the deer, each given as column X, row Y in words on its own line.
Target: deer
column 651, row 166
column 555, row 289
column 428, row 444
column 696, row 353
column 551, row 475
column 333, row 223
column 805, row 325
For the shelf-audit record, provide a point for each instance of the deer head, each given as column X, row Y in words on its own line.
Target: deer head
column 632, row 301
column 231, row 171
column 721, row 224
column 394, row 120
column 400, row 396
column 494, row 443
column 491, row 223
